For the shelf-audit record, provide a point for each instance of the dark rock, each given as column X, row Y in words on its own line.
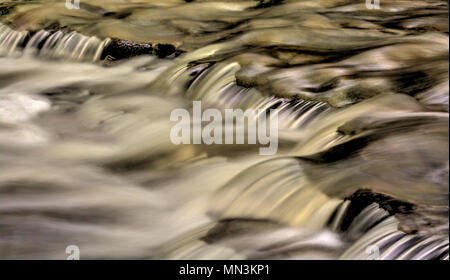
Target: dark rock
column 120, row 49
column 364, row 197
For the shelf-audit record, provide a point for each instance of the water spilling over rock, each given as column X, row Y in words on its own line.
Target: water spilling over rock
column 362, row 100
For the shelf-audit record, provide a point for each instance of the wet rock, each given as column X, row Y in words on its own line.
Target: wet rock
column 120, row 49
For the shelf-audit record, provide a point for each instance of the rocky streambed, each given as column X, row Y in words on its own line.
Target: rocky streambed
column 362, row 101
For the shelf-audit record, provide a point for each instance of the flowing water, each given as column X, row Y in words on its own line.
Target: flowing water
column 362, row 100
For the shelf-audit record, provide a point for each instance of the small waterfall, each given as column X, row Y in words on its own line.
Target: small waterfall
column 390, row 243
column 10, row 40
column 73, row 46
column 57, row 45
column 215, row 85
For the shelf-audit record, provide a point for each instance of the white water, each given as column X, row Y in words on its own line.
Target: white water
column 86, row 157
